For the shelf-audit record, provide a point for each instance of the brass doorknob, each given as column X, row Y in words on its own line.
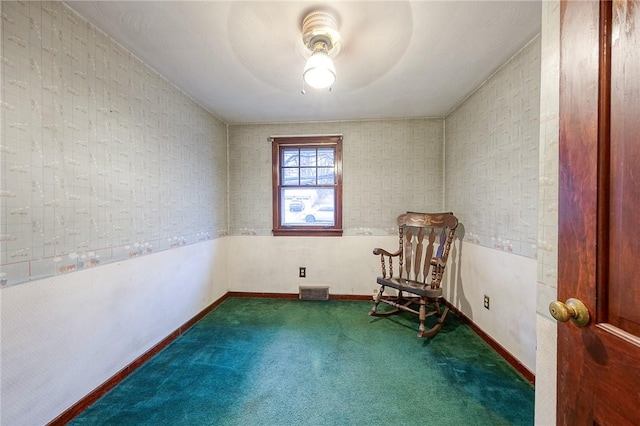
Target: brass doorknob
column 573, row 310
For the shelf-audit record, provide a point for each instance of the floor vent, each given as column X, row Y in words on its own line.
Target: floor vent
column 314, row 293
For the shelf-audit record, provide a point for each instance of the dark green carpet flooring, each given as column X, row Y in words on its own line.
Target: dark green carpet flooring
column 290, row 362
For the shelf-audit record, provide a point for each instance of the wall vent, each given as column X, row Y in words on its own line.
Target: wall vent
column 314, row 293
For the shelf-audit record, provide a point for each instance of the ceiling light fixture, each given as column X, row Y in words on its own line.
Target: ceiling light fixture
column 320, row 35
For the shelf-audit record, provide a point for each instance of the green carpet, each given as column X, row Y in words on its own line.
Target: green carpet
column 290, row 362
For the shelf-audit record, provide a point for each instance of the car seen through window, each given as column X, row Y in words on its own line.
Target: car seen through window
column 320, row 214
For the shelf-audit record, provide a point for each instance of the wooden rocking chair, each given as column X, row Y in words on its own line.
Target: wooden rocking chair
column 419, row 269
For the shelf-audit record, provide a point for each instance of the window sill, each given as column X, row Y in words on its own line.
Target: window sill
column 313, row 232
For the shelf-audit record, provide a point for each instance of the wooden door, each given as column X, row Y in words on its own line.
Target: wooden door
column 599, row 212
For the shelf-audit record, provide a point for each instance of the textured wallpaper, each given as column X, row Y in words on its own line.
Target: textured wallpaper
column 492, row 144
column 102, row 159
column 389, row 167
column 549, row 151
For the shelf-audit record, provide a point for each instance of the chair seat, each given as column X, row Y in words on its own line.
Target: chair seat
column 410, row 286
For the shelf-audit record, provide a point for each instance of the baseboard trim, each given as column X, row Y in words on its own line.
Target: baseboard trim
column 67, row 415
column 295, row 295
column 505, row 354
column 263, row 295
column 358, row 297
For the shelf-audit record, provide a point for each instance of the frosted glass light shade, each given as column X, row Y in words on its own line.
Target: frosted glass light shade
column 319, row 71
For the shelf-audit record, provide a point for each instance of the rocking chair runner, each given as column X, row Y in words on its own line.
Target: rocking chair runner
column 414, row 264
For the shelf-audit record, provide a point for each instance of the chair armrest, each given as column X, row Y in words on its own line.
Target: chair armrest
column 436, row 261
column 382, row 253
column 378, row 251
column 438, row 269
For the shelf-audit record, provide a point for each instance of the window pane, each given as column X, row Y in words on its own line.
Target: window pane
column 326, row 176
column 307, row 207
column 308, row 176
column 308, row 157
column 326, row 157
column 290, row 157
column 290, row 176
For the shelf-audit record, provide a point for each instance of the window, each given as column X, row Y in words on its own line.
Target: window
column 307, row 186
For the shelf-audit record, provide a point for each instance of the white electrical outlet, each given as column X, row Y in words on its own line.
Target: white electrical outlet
column 486, row 301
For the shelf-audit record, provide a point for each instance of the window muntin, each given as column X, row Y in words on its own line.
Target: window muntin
column 307, row 185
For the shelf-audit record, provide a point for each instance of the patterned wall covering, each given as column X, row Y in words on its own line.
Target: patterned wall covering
column 491, row 148
column 390, row 166
column 549, row 134
column 102, row 158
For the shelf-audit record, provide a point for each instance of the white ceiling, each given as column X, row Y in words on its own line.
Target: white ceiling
column 243, row 60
